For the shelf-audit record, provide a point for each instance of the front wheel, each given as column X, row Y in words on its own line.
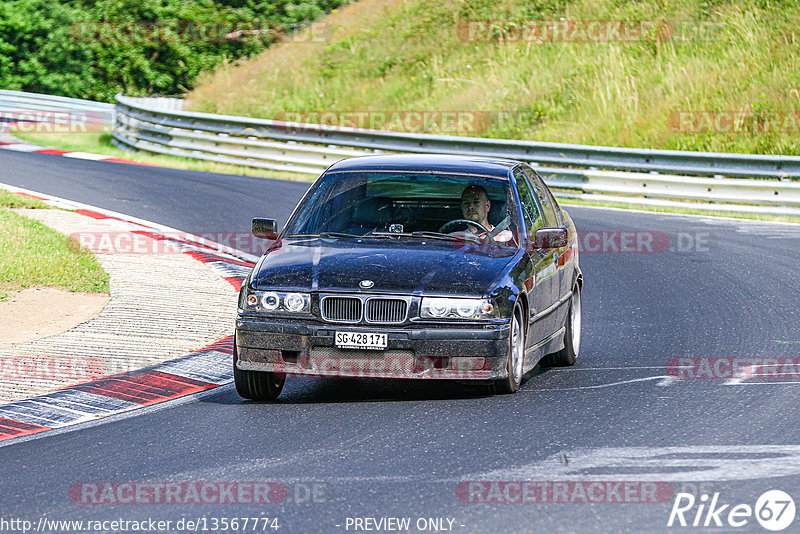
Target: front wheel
column 516, row 357
column 572, row 335
column 256, row 385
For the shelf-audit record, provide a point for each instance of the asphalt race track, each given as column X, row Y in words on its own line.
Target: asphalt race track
column 709, row 291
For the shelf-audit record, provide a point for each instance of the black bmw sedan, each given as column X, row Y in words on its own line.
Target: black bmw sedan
column 413, row 266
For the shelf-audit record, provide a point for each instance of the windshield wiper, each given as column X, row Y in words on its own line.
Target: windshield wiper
column 434, row 235
column 385, row 235
column 324, row 234
column 335, row 235
column 447, row 237
column 338, row 234
column 418, row 234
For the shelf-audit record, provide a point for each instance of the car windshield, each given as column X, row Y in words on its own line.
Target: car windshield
column 408, row 205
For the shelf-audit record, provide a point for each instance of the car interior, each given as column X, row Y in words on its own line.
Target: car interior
column 384, row 214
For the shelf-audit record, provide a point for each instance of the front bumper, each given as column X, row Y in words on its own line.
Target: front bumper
column 462, row 352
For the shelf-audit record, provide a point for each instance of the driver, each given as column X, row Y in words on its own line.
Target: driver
column 475, row 206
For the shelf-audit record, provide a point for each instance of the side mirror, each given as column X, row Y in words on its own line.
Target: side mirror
column 549, row 238
column 265, row 228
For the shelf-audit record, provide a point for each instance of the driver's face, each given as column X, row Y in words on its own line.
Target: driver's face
column 475, row 206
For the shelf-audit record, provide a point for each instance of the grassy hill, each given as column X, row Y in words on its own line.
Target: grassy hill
column 469, row 55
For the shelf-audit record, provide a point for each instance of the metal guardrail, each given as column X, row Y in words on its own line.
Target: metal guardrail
column 160, row 102
column 659, row 177
column 672, row 177
column 629, row 159
column 18, row 101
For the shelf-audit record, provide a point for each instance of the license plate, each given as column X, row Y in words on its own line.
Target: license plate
column 361, row 340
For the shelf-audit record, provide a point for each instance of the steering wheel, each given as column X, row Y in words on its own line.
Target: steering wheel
column 447, row 225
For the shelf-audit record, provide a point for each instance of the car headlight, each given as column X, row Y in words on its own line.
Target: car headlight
column 296, row 302
column 456, row 308
column 270, row 301
column 277, row 302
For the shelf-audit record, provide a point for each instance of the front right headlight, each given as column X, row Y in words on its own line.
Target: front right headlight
column 456, row 308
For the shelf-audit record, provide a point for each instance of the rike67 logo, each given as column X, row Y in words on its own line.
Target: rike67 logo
column 774, row 510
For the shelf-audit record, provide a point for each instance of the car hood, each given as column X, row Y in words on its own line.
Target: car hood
column 394, row 266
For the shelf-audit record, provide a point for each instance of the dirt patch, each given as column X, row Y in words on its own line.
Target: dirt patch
column 39, row 312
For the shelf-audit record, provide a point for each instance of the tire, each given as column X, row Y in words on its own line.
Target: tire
column 256, row 385
column 572, row 335
column 516, row 357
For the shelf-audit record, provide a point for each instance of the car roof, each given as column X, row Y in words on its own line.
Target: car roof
column 495, row 167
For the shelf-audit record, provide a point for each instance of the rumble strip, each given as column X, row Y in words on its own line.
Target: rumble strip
column 197, row 371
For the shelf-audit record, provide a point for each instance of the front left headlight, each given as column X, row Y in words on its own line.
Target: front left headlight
column 277, row 302
column 456, row 308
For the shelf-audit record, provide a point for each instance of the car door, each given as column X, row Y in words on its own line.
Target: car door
column 543, row 293
column 563, row 259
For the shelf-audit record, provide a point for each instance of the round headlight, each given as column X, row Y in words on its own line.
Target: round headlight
column 466, row 309
column 438, row 307
column 487, row 308
column 252, row 300
column 270, row 301
column 295, row 302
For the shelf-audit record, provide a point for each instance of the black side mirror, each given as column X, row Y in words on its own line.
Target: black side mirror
column 549, row 238
column 265, row 228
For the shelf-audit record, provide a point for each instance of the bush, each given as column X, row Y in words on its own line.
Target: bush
column 93, row 50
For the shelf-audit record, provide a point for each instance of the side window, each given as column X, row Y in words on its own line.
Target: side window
column 530, row 210
column 545, row 199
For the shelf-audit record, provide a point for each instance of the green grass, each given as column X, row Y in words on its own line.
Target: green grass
column 13, row 200
column 384, row 55
column 100, row 143
column 33, row 255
